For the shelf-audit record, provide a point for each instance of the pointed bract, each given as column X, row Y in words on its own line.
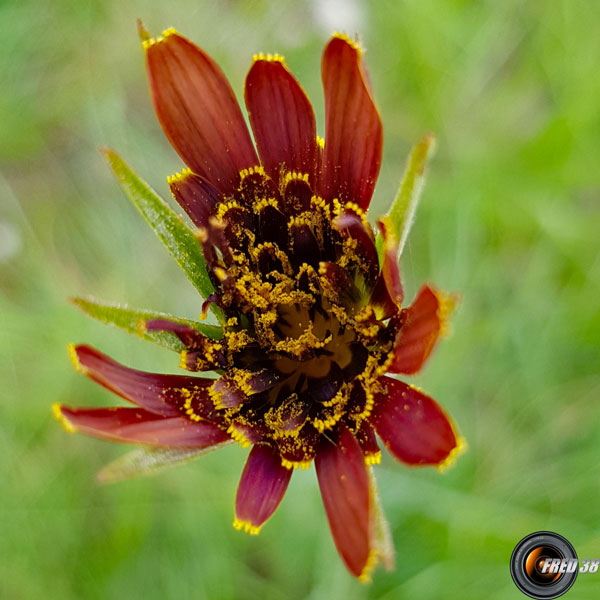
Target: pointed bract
column 171, row 230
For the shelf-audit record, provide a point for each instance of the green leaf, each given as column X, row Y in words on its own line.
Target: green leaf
column 133, row 320
column 148, row 461
column 168, row 226
column 403, row 208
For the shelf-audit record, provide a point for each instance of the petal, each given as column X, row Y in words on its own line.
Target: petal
column 238, row 386
column 353, row 131
column 355, row 226
column 261, row 488
column 413, row 426
column 365, row 436
column 201, row 354
column 421, row 324
column 195, row 195
column 165, row 395
column 344, row 485
column 282, row 118
column 389, row 268
column 136, row 425
column 198, row 110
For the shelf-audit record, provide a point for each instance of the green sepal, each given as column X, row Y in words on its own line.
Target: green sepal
column 402, row 211
column 134, row 320
column 148, row 461
column 168, row 226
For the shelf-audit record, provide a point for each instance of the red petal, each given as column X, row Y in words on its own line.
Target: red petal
column 164, row 395
column 261, row 489
column 195, row 195
column 352, row 225
column 353, row 131
column 282, row 118
column 413, row 426
column 136, row 425
column 344, row 484
column 420, row 327
column 198, row 110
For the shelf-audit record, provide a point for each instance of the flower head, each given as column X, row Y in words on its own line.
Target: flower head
column 311, row 310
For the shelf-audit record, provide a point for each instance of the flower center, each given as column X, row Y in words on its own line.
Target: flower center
column 303, row 347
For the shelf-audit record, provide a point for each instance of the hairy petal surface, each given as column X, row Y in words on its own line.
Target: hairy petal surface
column 282, row 118
column 413, row 426
column 261, row 488
column 353, row 130
column 198, row 110
column 344, row 483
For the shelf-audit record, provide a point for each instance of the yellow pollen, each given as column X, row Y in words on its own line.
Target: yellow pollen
column 320, row 142
column 187, row 405
column 296, row 464
column 295, row 176
column 264, row 202
column 251, row 171
column 225, row 207
column 183, row 360
column 373, row 458
column 246, row 526
column 220, row 273
column 268, row 57
column 239, row 437
column 177, row 177
column 58, row 415
column 148, row 42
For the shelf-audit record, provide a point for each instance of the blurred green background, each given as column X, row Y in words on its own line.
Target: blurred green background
column 509, row 219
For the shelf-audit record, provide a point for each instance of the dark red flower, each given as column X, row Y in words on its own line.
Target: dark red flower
column 312, row 317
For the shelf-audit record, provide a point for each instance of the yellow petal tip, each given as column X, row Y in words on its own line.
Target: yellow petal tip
column 177, row 177
column 458, row 450
column 372, row 560
column 246, row 526
column 373, row 458
column 148, row 41
column 58, row 415
column 75, row 359
column 268, row 58
column 352, row 43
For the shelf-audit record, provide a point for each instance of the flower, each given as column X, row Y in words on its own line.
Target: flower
column 311, row 311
